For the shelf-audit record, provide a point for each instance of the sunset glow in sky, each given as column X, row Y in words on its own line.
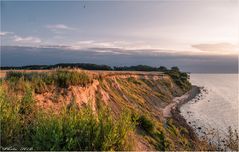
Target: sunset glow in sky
column 196, row 26
column 168, row 27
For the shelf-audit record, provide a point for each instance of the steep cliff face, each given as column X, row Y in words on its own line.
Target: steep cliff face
column 147, row 93
column 142, row 94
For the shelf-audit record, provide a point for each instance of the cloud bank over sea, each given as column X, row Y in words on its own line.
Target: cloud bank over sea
column 20, row 55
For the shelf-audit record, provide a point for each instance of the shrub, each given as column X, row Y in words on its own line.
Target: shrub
column 66, row 78
column 180, row 78
column 163, row 143
column 160, row 140
column 145, row 124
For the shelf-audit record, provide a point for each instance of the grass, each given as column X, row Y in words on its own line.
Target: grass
column 81, row 131
column 133, row 80
column 65, row 79
column 40, row 82
column 153, row 133
column 148, row 126
column 145, row 124
column 10, row 119
column 22, row 125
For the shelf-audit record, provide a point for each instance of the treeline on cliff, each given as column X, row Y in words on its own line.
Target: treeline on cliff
column 86, row 66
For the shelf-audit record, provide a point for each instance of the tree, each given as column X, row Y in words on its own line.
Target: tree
column 175, row 68
column 162, row 68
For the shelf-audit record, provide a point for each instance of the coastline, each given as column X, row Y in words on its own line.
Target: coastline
column 173, row 112
column 176, row 113
column 205, row 142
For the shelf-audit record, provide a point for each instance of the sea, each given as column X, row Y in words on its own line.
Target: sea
column 215, row 109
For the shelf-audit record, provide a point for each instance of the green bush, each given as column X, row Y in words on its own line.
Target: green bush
column 180, row 78
column 163, row 143
column 145, row 124
column 66, row 78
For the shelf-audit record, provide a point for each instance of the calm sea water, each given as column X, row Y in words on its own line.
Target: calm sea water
column 217, row 106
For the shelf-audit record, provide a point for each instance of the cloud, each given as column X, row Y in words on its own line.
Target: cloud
column 124, row 45
column 28, row 40
column 5, row 33
column 54, row 46
column 17, row 55
column 222, row 48
column 56, row 27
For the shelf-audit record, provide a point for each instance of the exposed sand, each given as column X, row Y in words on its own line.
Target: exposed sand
column 178, row 101
column 175, row 113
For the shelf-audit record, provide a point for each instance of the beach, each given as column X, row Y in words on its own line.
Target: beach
column 173, row 110
column 179, row 101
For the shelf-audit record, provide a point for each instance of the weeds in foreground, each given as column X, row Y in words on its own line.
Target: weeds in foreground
column 145, row 123
column 154, row 135
column 71, row 129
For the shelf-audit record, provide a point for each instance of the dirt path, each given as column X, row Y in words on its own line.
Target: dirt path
column 178, row 101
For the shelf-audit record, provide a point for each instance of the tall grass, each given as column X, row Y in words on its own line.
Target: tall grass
column 10, row 119
column 40, row 82
column 22, row 125
column 145, row 123
column 81, row 131
column 67, row 78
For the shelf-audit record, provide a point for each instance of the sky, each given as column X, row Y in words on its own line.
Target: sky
column 196, row 35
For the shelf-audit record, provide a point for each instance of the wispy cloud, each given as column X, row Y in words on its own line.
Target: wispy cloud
column 28, row 39
column 110, row 44
column 5, row 33
column 56, row 27
column 219, row 48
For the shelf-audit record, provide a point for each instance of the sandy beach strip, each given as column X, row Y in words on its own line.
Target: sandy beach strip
column 173, row 110
column 179, row 101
